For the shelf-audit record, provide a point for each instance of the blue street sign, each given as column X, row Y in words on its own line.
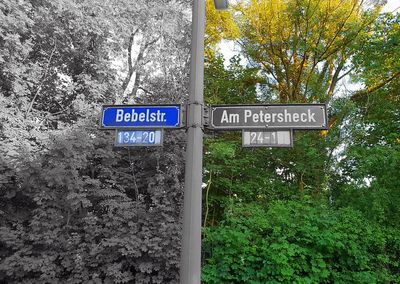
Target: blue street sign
column 140, row 116
column 138, row 137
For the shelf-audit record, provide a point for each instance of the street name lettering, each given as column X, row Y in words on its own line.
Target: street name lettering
column 266, row 117
column 133, row 116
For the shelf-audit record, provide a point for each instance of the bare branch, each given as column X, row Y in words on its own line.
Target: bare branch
column 146, row 91
column 130, row 64
column 335, row 78
column 42, row 80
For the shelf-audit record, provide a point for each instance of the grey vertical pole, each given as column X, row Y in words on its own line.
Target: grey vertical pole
column 190, row 268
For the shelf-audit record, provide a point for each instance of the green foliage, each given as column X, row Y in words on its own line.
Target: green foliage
column 353, row 167
column 299, row 242
column 261, row 175
column 368, row 176
column 255, row 174
column 235, row 84
column 377, row 52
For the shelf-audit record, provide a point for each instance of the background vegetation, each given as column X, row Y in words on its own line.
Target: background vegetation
column 74, row 209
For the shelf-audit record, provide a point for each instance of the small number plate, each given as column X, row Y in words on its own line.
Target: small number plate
column 132, row 138
column 267, row 138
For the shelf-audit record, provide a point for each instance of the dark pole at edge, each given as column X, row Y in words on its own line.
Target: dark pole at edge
column 190, row 268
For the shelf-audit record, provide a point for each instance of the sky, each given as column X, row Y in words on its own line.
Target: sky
column 392, row 6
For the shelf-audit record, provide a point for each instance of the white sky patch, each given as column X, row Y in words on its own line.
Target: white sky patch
column 65, row 80
column 346, row 86
column 392, row 6
column 119, row 64
column 229, row 49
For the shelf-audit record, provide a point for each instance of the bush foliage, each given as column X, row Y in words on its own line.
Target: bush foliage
column 299, row 242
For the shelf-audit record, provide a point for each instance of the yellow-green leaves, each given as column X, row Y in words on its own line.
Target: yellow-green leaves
column 219, row 25
column 301, row 46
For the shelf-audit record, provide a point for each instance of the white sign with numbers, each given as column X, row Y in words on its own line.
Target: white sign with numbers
column 267, row 138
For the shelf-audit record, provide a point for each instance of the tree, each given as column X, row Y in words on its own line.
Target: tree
column 301, row 50
column 219, row 25
column 375, row 63
column 349, row 172
column 145, row 40
column 369, row 178
column 302, row 47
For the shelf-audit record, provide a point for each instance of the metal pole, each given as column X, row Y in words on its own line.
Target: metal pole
column 190, row 268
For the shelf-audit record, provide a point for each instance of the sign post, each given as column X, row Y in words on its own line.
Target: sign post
column 190, row 268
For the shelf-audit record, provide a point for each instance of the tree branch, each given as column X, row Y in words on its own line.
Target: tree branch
column 335, row 77
column 372, row 89
column 146, row 91
column 130, row 65
column 42, row 81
